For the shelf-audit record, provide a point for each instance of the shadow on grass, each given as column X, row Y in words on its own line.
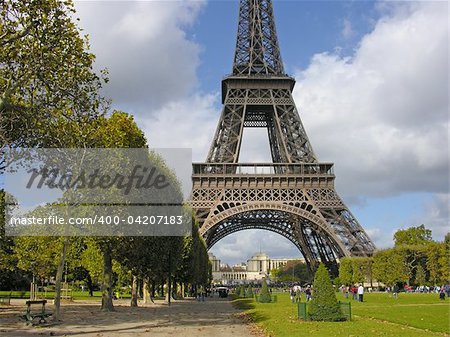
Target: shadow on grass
column 244, row 303
column 247, row 305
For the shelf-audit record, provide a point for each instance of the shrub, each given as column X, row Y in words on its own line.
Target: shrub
column 264, row 297
column 249, row 292
column 324, row 305
column 241, row 292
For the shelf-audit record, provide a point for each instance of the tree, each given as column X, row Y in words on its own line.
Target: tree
column 324, row 305
column 49, row 93
column 37, row 254
column 249, row 292
column 295, row 270
column 242, row 291
column 91, row 259
column 264, row 296
column 389, row 267
column 413, row 236
column 437, row 263
column 420, row 277
column 194, row 269
column 346, row 271
column 357, row 276
column 45, row 72
column 412, row 257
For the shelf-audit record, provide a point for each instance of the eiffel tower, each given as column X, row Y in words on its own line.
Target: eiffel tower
column 294, row 195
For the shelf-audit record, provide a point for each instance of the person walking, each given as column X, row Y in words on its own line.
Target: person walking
column 353, row 291
column 298, row 296
column 307, row 294
column 442, row 293
column 345, row 291
column 395, row 291
column 360, row 292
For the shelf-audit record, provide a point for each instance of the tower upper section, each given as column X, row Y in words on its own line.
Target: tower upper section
column 257, row 49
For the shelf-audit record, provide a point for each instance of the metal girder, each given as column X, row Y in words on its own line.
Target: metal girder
column 257, row 50
column 273, row 109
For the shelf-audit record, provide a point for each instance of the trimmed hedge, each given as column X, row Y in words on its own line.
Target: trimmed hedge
column 324, row 305
column 264, row 297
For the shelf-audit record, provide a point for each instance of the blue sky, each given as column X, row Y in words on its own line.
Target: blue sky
column 372, row 92
column 304, row 29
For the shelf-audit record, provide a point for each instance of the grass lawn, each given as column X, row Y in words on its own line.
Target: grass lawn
column 418, row 315
column 77, row 295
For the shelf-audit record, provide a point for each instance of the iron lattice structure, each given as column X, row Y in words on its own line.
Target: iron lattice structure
column 293, row 196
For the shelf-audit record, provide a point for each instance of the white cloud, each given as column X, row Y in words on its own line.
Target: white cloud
column 240, row 246
column 347, row 30
column 381, row 238
column 185, row 123
column 435, row 215
column 145, row 47
column 382, row 114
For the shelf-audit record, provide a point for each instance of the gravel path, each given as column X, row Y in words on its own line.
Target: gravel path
column 186, row 318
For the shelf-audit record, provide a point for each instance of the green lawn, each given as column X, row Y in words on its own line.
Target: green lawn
column 380, row 315
column 77, row 295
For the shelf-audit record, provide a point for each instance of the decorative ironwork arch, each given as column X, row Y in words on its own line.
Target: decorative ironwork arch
column 305, row 229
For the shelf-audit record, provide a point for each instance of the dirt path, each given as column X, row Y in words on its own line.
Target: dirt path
column 187, row 318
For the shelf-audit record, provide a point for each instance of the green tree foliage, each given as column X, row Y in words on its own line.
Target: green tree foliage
column 357, row 276
column 46, row 72
column 353, row 270
column 264, row 296
column 412, row 257
column 38, row 254
column 292, row 271
column 91, row 259
column 324, row 305
column 389, row 267
column 346, row 271
column 420, row 278
column 413, row 236
column 415, row 259
column 437, row 263
column 337, row 283
column 194, row 270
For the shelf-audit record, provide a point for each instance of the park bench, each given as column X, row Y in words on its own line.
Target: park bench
column 5, row 299
column 31, row 314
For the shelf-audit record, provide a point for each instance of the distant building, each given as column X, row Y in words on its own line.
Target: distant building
column 256, row 268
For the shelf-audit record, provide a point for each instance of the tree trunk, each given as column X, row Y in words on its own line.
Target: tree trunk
column 169, row 291
column 134, row 292
column 162, row 287
column 107, row 291
column 59, row 275
column 153, row 288
column 145, row 290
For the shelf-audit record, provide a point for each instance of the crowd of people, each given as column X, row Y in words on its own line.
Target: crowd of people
column 357, row 292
